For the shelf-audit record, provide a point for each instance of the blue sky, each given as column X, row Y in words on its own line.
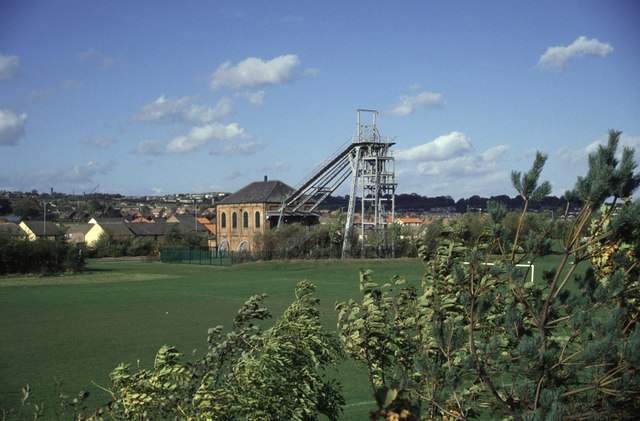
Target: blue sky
column 166, row 97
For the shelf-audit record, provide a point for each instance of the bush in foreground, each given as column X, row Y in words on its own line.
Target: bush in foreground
column 478, row 338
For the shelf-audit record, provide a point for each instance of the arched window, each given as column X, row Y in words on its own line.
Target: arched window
column 223, row 220
column 245, row 220
column 234, row 220
column 257, row 219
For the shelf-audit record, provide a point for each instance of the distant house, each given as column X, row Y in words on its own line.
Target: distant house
column 208, row 225
column 154, row 230
column 212, row 240
column 254, row 209
column 11, row 229
column 101, row 220
column 41, row 229
column 409, row 221
column 117, row 229
column 186, row 222
column 76, row 232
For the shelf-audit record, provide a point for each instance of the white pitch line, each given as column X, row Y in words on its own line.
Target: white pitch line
column 359, row 403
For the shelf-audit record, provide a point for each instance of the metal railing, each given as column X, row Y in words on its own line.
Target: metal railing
column 198, row 257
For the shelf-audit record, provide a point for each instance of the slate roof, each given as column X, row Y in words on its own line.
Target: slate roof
column 39, row 228
column 271, row 191
column 10, row 228
column 147, row 228
column 186, row 222
column 117, row 229
column 78, row 227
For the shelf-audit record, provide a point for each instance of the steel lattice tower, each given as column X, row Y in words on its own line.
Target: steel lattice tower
column 373, row 171
column 368, row 160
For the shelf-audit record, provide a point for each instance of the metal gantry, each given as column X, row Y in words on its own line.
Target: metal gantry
column 368, row 159
column 373, row 170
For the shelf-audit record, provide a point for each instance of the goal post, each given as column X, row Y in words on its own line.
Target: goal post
column 521, row 265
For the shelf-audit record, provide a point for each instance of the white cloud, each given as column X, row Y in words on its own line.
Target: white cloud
column 98, row 142
column 202, row 135
column 150, row 147
column 12, row 127
column 201, row 114
column 463, row 173
column 43, row 95
column 630, row 142
column 248, row 148
column 560, row 57
column 102, row 59
column 465, row 166
column 254, row 98
column 77, row 174
column 36, row 95
column 576, row 156
column 486, row 185
column 581, row 156
column 197, row 137
column 253, row 72
column 9, row 66
column 164, row 110
column 410, row 103
column 442, row 148
column 494, row 154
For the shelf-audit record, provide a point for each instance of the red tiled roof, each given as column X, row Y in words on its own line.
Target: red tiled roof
column 211, row 228
column 410, row 220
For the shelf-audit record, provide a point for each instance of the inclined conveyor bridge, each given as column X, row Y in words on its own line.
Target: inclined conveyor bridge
column 367, row 158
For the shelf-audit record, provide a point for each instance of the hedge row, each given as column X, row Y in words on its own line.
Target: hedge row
column 18, row 255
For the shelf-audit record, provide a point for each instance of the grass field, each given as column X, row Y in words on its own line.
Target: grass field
column 77, row 328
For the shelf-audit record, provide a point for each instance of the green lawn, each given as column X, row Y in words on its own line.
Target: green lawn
column 77, row 328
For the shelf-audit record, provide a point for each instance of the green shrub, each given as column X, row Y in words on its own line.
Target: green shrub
column 44, row 256
column 108, row 246
column 478, row 339
column 247, row 374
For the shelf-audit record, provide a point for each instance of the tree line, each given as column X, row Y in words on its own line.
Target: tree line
column 415, row 203
column 30, row 205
